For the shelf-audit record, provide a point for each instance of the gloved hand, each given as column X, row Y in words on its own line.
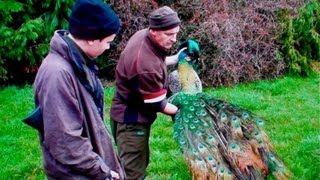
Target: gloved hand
column 182, row 53
column 193, row 48
column 171, row 60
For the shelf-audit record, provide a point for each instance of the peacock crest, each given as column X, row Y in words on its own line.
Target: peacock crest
column 220, row 140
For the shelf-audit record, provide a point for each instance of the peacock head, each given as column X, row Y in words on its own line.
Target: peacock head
column 190, row 51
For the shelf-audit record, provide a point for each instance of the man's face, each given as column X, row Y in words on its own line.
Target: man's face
column 165, row 38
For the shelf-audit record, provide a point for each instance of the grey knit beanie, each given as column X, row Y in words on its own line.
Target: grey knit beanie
column 163, row 18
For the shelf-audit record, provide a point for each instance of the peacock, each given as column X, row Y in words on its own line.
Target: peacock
column 219, row 140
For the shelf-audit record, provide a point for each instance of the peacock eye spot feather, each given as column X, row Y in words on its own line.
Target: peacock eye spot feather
column 194, row 151
column 196, row 104
column 199, row 158
column 223, row 115
column 260, row 122
column 177, row 116
column 222, row 170
column 271, row 156
column 234, row 118
column 220, row 106
column 245, row 115
column 203, row 113
column 175, row 135
column 195, row 120
column 190, row 116
column 198, row 133
column 191, row 108
column 202, row 104
column 192, row 126
column 182, row 141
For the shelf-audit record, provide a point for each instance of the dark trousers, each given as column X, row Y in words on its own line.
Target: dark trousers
column 133, row 147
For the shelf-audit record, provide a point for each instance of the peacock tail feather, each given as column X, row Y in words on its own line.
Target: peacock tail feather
column 220, row 140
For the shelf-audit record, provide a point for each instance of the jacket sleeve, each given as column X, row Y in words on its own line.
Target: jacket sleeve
column 153, row 92
column 63, row 126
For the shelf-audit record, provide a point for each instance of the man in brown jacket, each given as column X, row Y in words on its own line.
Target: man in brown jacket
column 74, row 140
column 141, row 89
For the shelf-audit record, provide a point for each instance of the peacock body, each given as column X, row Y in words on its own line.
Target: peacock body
column 220, row 140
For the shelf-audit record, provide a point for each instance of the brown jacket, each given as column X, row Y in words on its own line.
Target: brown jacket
column 75, row 143
column 141, row 81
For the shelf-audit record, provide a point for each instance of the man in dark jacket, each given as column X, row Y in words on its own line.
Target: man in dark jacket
column 141, row 89
column 74, row 140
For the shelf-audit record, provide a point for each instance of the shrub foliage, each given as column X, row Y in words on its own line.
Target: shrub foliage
column 241, row 40
column 25, row 30
column 300, row 40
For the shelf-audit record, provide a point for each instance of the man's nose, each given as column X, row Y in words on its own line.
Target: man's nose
column 174, row 38
column 108, row 46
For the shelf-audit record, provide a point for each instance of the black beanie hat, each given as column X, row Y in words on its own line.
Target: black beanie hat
column 163, row 18
column 93, row 19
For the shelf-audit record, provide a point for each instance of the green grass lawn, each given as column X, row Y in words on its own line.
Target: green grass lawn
column 290, row 107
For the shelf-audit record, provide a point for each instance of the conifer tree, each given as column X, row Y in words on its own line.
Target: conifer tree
column 25, row 31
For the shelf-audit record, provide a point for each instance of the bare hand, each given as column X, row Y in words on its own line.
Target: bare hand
column 114, row 175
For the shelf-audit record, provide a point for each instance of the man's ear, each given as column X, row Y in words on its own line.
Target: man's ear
column 152, row 32
column 90, row 43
